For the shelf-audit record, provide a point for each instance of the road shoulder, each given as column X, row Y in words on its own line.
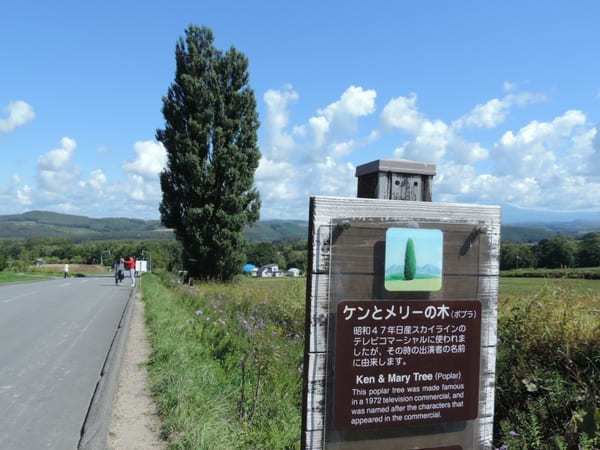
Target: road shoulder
column 134, row 423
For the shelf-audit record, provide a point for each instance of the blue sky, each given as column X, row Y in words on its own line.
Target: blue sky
column 503, row 97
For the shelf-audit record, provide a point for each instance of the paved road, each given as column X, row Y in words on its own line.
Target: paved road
column 54, row 336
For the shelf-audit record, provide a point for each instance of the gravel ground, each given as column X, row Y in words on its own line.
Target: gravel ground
column 134, row 423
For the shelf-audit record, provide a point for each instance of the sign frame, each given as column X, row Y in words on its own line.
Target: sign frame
column 484, row 225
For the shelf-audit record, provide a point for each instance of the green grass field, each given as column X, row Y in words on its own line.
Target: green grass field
column 14, row 277
column 530, row 286
column 226, row 366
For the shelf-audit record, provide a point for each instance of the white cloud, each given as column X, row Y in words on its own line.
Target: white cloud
column 57, row 158
column 24, row 196
column 97, row 179
column 55, row 172
column 402, row 113
column 309, row 163
column 545, row 165
column 150, row 159
column 342, row 115
column 299, row 130
column 508, row 86
column 433, row 140
column 270, row 170
column 60, row 186
column 495, row 111
column 320, row 128
column 279, row 142
column 16, row 179
column 354, row 102
column 532, row 151
column 19, row 113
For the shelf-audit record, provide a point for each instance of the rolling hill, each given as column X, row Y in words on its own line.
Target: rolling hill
column 80, row 228
column 35, row 224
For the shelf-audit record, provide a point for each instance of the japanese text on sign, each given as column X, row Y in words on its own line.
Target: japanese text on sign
column 406, row 362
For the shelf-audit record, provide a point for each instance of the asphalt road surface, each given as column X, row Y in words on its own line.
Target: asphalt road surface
column 54, row 337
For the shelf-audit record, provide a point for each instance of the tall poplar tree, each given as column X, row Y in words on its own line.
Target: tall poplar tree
column 210, row 136
column 410, row 260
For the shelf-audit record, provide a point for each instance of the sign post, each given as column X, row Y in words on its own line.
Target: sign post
column 401, row 317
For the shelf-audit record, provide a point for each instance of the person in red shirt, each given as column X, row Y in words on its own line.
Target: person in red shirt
column 130, row 264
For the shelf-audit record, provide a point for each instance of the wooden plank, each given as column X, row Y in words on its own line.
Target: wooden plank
column 316, row 392
column 314, row 439
column 320, row 246
column 326, row 208
column 315, row 411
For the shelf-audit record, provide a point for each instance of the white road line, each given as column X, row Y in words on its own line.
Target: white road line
column 19, row 296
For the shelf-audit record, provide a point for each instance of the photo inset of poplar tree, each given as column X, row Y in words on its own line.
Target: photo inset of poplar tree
column 413, row 259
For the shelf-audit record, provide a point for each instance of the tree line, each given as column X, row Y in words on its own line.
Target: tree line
column 552, row 253
column 283, row 253
column 20, row 255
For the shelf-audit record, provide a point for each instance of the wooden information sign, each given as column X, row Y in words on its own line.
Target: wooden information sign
column 401, row 325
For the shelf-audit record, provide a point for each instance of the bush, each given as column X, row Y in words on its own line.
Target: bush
column 548, row 374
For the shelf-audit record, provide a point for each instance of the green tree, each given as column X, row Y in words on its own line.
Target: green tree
column 515, row 256
column 410, row 260
column 210, row 136
column 588, row 252
column 555, row 252
column 261, row 253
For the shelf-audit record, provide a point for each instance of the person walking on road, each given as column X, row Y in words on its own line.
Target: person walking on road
column 119, row 270
column 131, row 265
column 66, row 270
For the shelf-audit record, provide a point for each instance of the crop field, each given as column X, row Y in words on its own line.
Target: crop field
column 226, row 370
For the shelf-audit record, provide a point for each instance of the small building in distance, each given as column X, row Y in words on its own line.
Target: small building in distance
column 270, row 270
column 293, row 272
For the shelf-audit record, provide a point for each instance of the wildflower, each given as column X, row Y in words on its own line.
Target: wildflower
column 198, row 312
column 301, row 368
column 273, row 333
column 513, row 433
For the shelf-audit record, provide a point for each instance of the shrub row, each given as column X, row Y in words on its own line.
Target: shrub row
column 591, row 273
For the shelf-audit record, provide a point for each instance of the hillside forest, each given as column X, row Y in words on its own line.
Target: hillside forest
column 19, row 254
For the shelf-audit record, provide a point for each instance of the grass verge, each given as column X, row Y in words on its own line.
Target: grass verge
column 13, row 277
column 225, row 364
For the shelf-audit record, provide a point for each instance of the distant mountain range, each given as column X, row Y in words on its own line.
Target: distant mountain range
column 427, row 269
column 80, row 228
column 34, row 224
